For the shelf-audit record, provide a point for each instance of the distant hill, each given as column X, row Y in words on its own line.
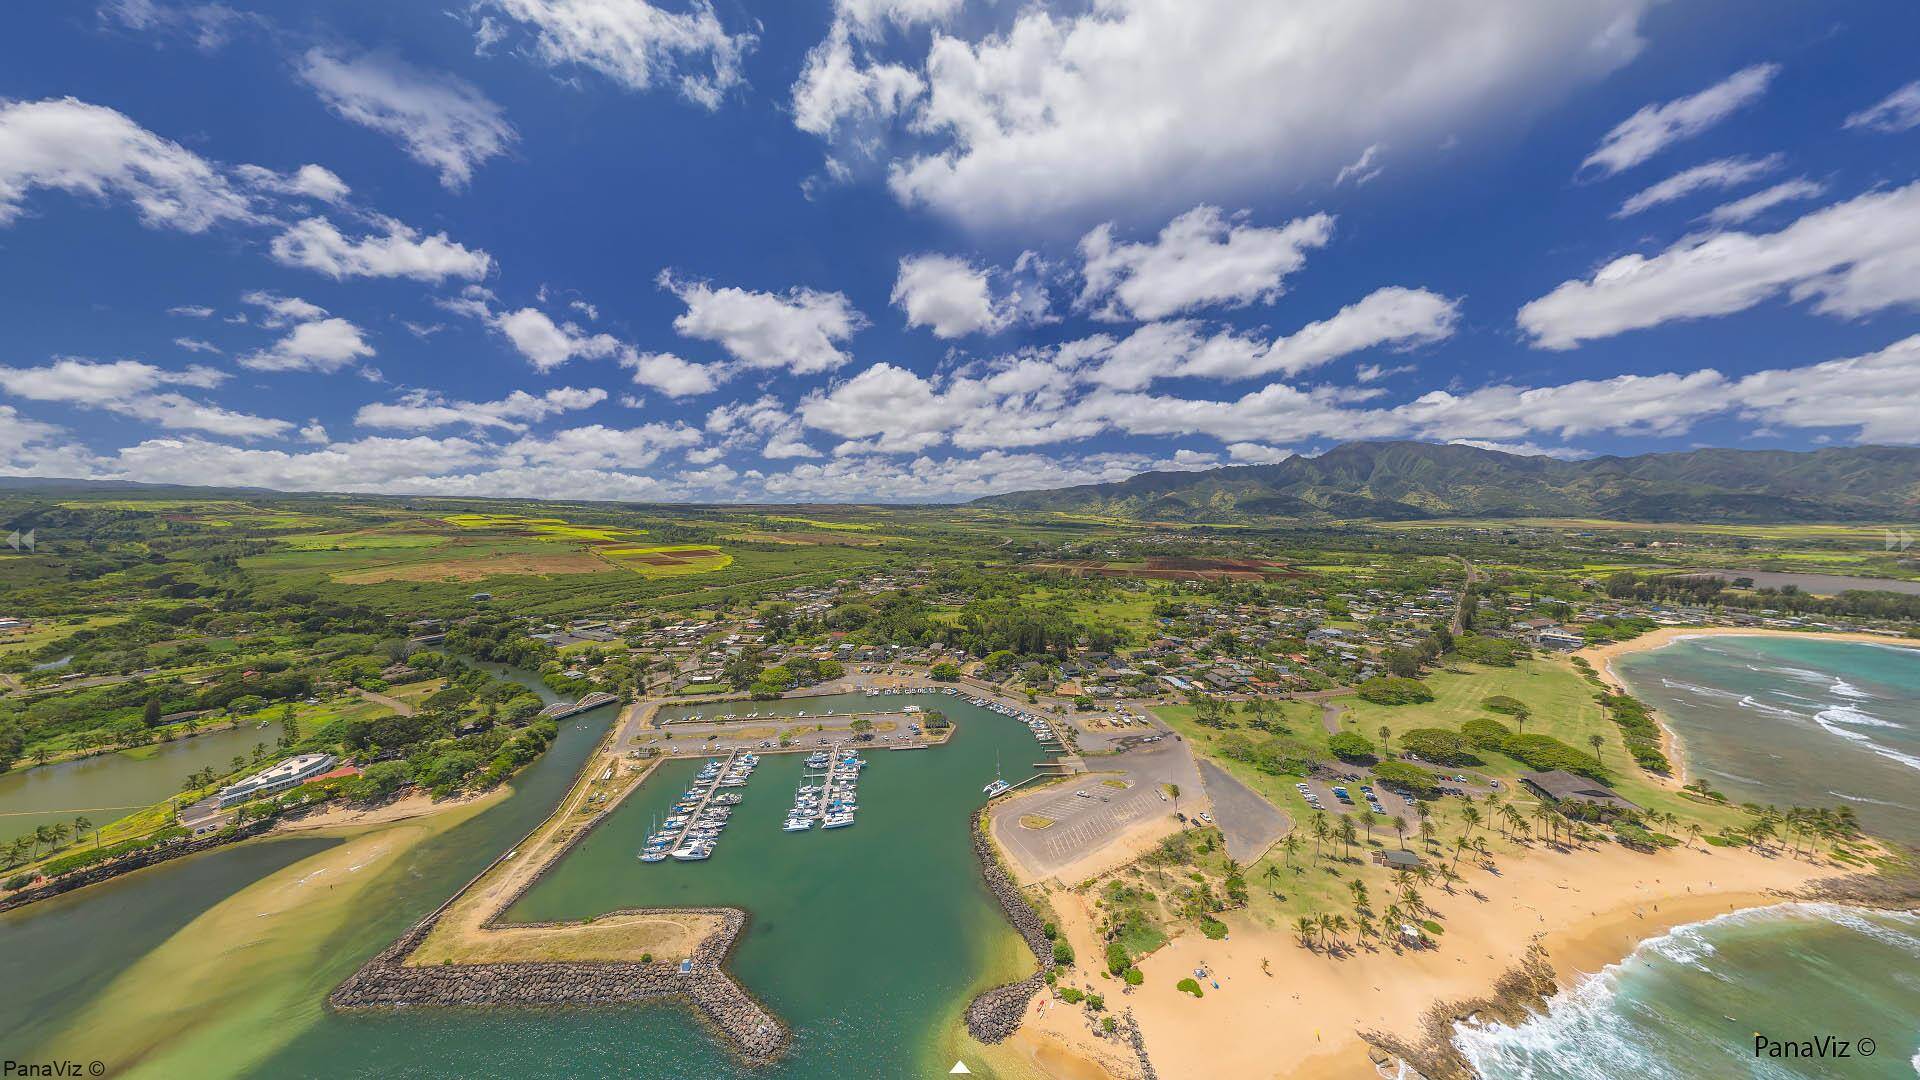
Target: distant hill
column 1410, row 480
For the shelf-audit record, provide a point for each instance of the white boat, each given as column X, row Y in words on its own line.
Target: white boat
column 695, row 851
column 797, row 824
column 837, row 821
column 653, row 856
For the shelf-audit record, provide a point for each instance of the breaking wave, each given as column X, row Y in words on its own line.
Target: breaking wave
column 1602, row 1028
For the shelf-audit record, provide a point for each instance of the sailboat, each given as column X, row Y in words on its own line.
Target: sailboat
column 999, row 786
column 657, row 844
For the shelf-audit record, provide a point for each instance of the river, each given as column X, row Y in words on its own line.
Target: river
column 1817, row 584
column 1773, row 720
column 868, row 940
column 107, row 786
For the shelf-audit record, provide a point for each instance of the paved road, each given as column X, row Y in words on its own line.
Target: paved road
column 1251, row 823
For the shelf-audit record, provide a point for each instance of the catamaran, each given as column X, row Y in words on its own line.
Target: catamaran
column 999, row 786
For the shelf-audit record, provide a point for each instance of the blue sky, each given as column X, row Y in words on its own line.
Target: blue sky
column 909, row 250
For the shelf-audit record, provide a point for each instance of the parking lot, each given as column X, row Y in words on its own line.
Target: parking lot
column 1392, row 803
column 1089, row 812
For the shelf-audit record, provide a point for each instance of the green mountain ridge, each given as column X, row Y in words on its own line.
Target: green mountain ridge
column 1399, row 481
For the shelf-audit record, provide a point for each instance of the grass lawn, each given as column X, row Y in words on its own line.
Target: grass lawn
column 1284, row 886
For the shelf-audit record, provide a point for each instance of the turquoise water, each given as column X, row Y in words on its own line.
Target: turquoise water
column 1771, row 720
column 867, row 940
column 1789, row 721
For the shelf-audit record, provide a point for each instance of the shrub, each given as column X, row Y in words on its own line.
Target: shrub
column 1350, row 745
column 1438, row 745
column 1411, row 779
column 1096, row 1002
column 1641, row 732
column 1071, row 995
column 1117, row 958
column 1134, row 976
column 1391, row 690
column 1635, row 837
column 1213, row 928
column 1486, row 734
column 21, row 881
column 1545, row 753
column 1432, row 927
column 1063, row 954
column 1501, row 703
column 1188, row 986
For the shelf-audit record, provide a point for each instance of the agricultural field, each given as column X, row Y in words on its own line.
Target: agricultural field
column 668, row 561
column 554, row 528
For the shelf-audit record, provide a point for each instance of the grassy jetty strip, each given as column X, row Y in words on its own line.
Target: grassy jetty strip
column 464, row 955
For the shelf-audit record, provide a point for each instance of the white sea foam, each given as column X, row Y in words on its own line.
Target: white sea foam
column 1875, row 802
column 1848, row 690
column 1847, row 714
column 1702, row 691
column 1833, row 726
column 1748, row 702
column 1591, row 1032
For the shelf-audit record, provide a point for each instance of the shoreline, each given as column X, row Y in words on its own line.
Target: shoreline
column 1603, row 656
column 1328, row 1014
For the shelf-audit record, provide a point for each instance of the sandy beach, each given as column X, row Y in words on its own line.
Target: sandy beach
column 1283, row 1011
column 1602, row 656
column 419, row 804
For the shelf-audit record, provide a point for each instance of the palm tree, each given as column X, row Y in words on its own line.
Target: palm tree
column 1291, row 845
column 1427, row 831
column 1543, row 814
column 61, row 830
column 1306, row 926
column 81, row 826
column 1386, row 733
column 1516, row 821
column 1348, row 836
column 1472, row 818
column 1321, row 833
column 1596, row 740
column 1359, row 890
column 1693, row 832
column 1174, row 791
column 1400, row 830
column 1337, row 924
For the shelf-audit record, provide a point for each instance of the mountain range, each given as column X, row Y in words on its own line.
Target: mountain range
column 1412, row 480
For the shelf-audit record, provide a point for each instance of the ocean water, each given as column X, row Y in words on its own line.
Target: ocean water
column 1771, row 720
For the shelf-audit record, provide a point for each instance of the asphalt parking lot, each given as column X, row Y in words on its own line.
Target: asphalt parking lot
column 1088, row 812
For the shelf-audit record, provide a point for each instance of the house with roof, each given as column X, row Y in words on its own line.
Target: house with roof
column 1561, row 786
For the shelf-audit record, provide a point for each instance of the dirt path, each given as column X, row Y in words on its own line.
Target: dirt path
column 1330, row 716
column 388, row 700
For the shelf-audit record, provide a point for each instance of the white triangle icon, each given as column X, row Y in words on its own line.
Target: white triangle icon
column 959, row 1069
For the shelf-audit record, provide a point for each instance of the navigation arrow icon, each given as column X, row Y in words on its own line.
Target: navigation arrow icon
column 959, row 1069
